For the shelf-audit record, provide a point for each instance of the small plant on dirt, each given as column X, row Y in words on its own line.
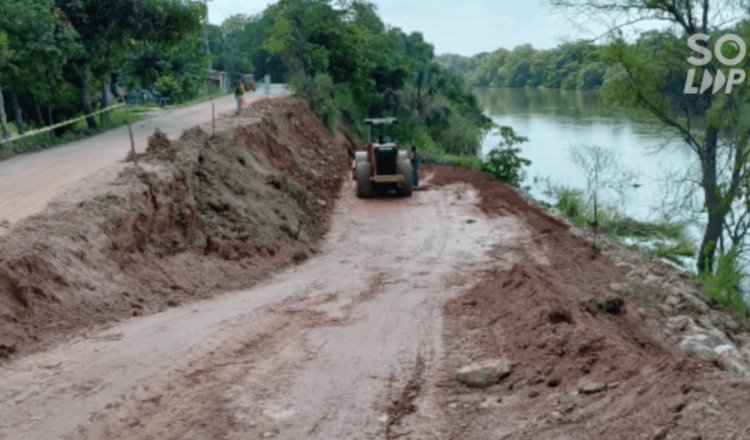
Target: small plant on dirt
column 297, row 192
column 505, row 162
column 722, row 286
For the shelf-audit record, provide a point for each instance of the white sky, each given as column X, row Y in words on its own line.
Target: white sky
column 466, row 27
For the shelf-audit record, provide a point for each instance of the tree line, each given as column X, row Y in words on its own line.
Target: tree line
column 573, row 66
column 349, row 65
column 63, row 58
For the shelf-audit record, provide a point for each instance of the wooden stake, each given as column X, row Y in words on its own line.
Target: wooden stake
column 132, row 144
column 213, row 119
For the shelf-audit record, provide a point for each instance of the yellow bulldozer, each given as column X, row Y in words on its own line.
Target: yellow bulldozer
column 382, row 168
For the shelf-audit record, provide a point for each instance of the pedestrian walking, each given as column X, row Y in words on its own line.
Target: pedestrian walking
column 239, row 90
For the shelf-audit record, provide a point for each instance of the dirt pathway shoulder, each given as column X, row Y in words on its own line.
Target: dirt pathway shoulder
column 596, row 343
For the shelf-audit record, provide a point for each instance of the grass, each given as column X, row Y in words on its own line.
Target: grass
column 297, row 192
column 79, row 130
column 722, row 286
column 471, row 162
column 117, row 117
column 666, row 240
column 204, row 98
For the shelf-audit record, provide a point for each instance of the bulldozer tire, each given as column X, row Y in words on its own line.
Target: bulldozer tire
column 404, row 168
column 364, row 184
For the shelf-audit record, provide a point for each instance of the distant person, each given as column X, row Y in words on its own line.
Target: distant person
column 239, row 90
column 414, row 166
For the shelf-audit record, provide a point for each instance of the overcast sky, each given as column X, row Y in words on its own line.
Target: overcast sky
column 465, row 26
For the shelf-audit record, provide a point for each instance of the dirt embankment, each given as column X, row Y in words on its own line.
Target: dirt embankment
column 601, row 345
column 203, row 214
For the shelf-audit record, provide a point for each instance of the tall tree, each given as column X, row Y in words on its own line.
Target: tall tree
column 40, row 42
column 4, row 56
column 110, row 30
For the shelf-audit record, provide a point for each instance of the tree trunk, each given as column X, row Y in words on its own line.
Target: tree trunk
column 17, row 112
column 49, row 115
column 113, row 87
column 38, row 109
column 105, row 99
column 3, row 116
column 86, row 104
column 716, row 207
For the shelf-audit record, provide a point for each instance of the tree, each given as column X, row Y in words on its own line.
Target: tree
column 712, row 126
column 4, row 56
column 505, row 162
column 109, row 31
column 603, row 172
column 40, row 42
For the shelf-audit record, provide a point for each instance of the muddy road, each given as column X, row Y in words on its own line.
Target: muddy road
column 62, row 173
column 235, row 289
column 337, row 347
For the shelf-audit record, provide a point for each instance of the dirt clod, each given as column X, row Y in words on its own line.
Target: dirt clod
column 559, row 315
column 610, row 306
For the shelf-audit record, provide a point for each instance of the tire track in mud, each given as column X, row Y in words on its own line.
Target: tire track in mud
column 405, row 403
column 192, row 402
column 320, row 351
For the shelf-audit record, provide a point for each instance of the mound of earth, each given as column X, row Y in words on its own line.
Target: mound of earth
column 600, row 344
column 202, row 214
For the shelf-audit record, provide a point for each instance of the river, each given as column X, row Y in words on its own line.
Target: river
column 557, row 120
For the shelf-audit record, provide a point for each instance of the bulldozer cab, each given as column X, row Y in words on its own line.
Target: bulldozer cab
column 379, row 128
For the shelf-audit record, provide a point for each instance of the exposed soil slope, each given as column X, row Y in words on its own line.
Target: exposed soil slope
column 203, row 214
column 593, row 340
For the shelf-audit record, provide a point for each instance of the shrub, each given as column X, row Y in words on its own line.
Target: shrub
column 505, row 162
column 297, row 192
column 318, row 92
column 722, row 286
column 169, row 88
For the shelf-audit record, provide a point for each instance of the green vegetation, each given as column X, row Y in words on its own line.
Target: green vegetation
column 505, row 162
column 578, row 65
column 722, row 286
column 659, row 239
column 297, row 191
column 60, row 59
column 79, row 130
column 348, row 65
column 64, row 58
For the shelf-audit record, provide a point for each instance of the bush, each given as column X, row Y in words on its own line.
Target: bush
column 297, row 192
column 505, row 162
column 169, row 88
column 571, row 205
column 318, row 92
column 471, row 162
column 722, row 286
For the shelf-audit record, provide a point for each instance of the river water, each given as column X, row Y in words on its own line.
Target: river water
column 557, row 120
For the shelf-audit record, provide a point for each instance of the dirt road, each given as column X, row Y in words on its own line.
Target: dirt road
column 29, row 182
column 364, row 338
column 320, row 351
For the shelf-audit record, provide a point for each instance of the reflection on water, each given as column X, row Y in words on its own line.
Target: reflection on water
column 556, row 120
